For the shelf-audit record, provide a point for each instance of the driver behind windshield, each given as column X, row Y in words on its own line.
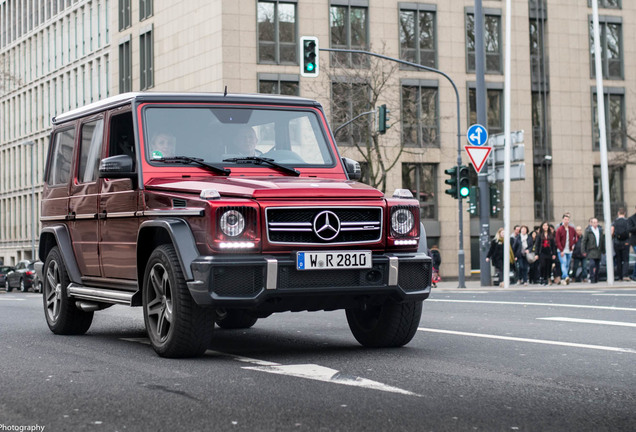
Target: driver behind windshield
column 162, row 145
column 245, row 141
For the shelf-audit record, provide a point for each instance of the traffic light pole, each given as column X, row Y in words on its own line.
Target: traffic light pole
column 460, row 252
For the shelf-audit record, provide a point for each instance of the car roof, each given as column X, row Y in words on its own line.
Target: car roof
column 140, row 97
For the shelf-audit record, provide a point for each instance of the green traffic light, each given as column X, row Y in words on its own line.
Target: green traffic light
column 310, row 67
column 464, row 192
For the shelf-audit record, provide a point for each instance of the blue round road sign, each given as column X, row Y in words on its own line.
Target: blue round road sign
column 477, row 135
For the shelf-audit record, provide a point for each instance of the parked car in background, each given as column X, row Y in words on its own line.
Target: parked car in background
column 3, row 274
column 22, row 277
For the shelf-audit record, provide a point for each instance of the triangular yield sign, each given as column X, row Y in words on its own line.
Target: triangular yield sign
column 478, row 155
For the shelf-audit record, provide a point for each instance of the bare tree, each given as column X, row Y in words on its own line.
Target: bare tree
column 359, row 84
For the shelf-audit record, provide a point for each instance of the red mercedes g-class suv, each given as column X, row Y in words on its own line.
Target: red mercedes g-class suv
column 212, row 208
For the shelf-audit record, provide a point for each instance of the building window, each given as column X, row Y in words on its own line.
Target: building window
column 146, row 61
column 418, row 43
column 606, row 4
column 347, row 101
column 145, row 9
column 538, row 57
column 615, row 132
column 540, row 124
column 611, row 36
column 278, row 84
column 492, row 42
column 542, row 191
column 124, row 14
column 277, row 32
column 494, row 108
column 421, row 180
column 125, row 67
column 349, row 27
column 617, row 198
column 420, row 116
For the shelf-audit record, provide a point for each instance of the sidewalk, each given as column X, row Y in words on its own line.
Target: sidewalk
column 476, row 285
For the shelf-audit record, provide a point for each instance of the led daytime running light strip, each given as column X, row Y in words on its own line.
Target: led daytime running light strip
column 405, row 242
column 236, row 245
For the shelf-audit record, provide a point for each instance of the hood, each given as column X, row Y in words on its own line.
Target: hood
column 269, row 187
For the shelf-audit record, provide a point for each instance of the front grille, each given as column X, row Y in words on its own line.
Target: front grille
column 295, row 225
column 414, row 276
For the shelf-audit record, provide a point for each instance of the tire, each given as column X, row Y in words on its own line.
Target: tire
column 388, row 325
column 176, row 325
column 62, row 316
column 237, row 319
column 7, row 287
column 38, row 287
column 23, row 287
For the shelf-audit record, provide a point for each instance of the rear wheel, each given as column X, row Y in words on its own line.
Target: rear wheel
column 61, row 314
column 237, row 319
column 388, row 325
column 7, row 286
column 176, row 325
column 23, row 287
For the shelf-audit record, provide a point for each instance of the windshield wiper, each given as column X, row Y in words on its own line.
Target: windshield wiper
column 261, row 160
column 196, row 161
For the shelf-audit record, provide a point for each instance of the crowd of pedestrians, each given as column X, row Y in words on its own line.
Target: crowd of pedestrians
column 560, row 254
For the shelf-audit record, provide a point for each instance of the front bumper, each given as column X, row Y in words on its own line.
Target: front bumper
column 271, row 283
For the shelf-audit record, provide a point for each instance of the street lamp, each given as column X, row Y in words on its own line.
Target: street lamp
column 32, row 145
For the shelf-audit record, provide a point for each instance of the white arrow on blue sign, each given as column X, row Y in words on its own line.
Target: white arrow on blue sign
column 477, row 135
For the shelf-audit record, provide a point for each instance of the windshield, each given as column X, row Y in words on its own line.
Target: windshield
column 287, row 136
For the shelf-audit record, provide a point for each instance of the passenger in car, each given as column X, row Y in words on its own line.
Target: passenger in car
column 245, row 142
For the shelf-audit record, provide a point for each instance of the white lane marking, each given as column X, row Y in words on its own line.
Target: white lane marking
column 11, row 299
column 617, row 295
column 535, row 304
column 306, row 371
column 589, row 321
column 325, row 374
column 537, row 341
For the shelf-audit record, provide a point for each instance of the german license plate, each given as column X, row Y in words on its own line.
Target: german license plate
column 333, row 260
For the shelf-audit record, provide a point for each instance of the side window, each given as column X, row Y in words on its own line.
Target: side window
column 60, row 170
column 90, row 150
column 122, row 139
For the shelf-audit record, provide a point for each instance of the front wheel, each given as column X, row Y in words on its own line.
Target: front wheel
column 388, row 325
column 176, row 325
column 23, row 287
column 7, row 287
column 61, row 314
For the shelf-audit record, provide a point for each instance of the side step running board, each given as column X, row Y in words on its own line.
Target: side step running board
column 100, row 294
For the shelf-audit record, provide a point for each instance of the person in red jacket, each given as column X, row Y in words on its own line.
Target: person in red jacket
column 566, row 238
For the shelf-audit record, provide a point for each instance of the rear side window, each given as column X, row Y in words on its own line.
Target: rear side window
column 90, row 151
column 62, row 153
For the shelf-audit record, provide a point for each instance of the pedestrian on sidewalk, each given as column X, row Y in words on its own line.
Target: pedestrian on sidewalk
column 496, row 255
column 593, row 248
column 545, row 249
column 620, row 235
column 632, row 239
column 566, row 238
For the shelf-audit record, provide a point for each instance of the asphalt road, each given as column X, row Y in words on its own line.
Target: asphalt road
column 491, row 360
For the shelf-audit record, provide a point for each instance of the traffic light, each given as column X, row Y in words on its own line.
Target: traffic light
column 451, row 181
column 494, row 200
column 383, row 119
column 309, row 55
column 473, row 200
column 463, row 182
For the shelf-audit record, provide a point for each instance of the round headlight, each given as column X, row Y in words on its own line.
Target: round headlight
column 232, row 223
column 402, row 221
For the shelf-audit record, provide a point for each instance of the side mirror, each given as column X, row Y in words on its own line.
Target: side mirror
column 120, row 166
column 352, row 168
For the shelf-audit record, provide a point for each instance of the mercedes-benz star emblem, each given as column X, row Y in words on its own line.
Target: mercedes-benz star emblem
column 326, row 225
